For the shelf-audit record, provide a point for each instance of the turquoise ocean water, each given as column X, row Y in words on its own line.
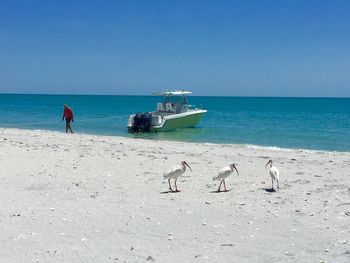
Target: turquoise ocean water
column 307, row 123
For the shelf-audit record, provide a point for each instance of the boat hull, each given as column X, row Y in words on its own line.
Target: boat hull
column 175, row 122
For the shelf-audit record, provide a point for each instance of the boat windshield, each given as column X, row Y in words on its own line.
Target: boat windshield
column 173, row 102
column 181, row 100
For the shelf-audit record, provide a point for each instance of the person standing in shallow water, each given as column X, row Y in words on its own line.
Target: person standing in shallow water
column 68, row 115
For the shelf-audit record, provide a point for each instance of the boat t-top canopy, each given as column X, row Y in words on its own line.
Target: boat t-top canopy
column 172, row 93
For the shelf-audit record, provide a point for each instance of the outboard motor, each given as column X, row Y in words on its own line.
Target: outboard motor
column 142, row 122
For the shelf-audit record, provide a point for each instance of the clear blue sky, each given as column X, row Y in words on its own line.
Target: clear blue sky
column 237, row 48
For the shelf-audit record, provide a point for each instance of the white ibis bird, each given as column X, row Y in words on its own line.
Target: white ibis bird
column 274, row 173
column 175, row 172
column 223, row 174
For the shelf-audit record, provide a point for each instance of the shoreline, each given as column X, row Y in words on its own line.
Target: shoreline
column 246, row 145
column 90, row 198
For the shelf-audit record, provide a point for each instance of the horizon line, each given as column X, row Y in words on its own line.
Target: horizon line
column 152, row 95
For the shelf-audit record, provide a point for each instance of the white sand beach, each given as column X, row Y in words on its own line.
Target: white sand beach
column 85, row 198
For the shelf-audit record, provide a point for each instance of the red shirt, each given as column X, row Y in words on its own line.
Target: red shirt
column 68, row 113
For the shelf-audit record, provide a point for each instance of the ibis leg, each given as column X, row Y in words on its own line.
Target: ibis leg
column 220, row 186
column 171, row 189
column 225, row 185
column 176, row 185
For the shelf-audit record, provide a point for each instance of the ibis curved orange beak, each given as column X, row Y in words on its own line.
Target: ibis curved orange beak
column 187, row 165
column 234, row 166
column 268, row 163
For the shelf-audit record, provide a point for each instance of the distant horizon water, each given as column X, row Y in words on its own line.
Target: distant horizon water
column 321, row 123
column 192, row 95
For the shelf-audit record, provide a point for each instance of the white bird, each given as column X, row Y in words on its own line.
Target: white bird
column 274, row 173
column 175, row 172
column 223, row 174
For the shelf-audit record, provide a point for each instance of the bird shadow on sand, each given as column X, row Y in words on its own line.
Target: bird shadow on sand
column 219, row 192
column 170, row 192
column 270, row 190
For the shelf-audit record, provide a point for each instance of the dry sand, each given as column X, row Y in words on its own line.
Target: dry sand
column 85, row 198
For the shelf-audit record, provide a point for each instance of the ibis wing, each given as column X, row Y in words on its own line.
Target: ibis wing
column 223, row 173
column 173, row 171
column 274, row 172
